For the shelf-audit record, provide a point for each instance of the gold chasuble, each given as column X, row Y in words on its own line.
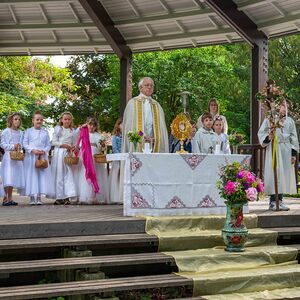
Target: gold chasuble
column 134, row 121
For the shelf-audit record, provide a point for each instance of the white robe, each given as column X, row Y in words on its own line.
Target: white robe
column 36, row 180
column 85, row 191
column 12, row 171
column 222, row 140
column 203, row 141
column 63, row 181
column 287, row 140
column 130, row 124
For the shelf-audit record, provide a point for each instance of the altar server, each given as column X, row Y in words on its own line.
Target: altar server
column 143, row 113
column 36, row 143
column 287, row 148
column 12, row 171
column 63, row 181
column 220, row 139
column 203, row 141
column 86, row 190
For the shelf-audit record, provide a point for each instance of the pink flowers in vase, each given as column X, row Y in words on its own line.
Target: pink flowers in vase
column 238, row 184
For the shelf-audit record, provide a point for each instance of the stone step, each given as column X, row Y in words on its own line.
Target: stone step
column 202, row 260
column 85, row 262
column 93, row 286
column 173, row 241
column 114, row 240
column 290, row 293
column 247, row 280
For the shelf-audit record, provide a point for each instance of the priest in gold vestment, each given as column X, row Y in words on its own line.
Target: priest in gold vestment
column 143, row 113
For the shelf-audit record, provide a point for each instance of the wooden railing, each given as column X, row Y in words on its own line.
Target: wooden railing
column 258, row 159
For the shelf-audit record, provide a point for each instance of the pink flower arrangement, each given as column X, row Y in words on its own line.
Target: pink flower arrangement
column 251, row 194
column 230, row 187
column 238, row 184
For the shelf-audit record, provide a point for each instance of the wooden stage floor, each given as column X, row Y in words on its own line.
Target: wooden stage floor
column 24, row 221
column 25, row 214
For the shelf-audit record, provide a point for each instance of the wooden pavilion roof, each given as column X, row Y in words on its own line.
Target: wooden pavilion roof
column 51, row 27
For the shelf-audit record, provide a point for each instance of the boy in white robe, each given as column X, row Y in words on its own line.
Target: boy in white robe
column 287, row 149
column 203, row 141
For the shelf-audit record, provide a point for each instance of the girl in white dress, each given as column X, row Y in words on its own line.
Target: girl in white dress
column 114, row 176
column 220, row 137
column 63, row 181
column 85, row 190
column 36, row 143
column 12, row 171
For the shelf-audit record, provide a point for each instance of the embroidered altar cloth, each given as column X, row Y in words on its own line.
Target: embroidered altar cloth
column 163, row 184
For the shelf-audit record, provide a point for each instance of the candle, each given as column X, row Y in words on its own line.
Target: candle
column 218, row 149
column 147, row 148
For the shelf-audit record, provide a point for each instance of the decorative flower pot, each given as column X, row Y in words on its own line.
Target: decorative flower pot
column 234, row 232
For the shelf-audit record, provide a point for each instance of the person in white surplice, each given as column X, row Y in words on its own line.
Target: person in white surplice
column 204, row 139
column 143, row 113
column 287, row 149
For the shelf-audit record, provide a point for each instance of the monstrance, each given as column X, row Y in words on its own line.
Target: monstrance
column 181, row 129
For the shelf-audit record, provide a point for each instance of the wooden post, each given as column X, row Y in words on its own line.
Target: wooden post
column 125, row 82
column 275, row 176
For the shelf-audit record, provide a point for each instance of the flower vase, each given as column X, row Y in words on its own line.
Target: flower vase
column 235, row 149
column 234, row 232
column 134, row 147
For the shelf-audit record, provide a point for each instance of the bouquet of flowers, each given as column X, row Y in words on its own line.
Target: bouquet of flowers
column 236, row 139
column 135, row 137
column 238, row 184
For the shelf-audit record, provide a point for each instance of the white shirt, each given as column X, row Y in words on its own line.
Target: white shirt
column 148, row 116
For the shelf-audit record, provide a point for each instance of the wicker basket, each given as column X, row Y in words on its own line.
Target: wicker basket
column 16, row 155
column 100, row 158
column 41, row 163
column 71, row 159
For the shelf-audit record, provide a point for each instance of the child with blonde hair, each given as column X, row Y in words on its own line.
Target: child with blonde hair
column 36, row 143
column 63, row 181
column 12, row 171
column 220, row 138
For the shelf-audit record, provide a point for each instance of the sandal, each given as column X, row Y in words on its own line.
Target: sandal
column 13, row 203
column 6, row 203
column 67, row 201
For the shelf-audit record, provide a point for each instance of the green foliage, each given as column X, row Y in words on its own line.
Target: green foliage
column 90, row 84
column 27, row 84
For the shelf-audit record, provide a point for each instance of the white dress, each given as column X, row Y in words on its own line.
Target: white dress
column 63, row 178
column 36, row 180
column 287, row 140
column 222, row 140
column 203, row 141
column 199, row 122
column 12, row 171
column 86, row 193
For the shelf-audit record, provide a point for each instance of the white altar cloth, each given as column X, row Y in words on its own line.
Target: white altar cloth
column 163, row 184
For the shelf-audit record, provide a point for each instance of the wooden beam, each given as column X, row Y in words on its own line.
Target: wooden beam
column 125, row 82
column 104, row 23
column 259, row 76
column 228, row 11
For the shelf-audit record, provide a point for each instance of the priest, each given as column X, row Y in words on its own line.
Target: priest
column 143, row 113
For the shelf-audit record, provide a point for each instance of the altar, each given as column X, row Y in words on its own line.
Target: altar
column 164, row 184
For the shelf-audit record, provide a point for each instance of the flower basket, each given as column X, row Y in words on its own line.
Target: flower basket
column 71, row 159
column 100, row 158
column 17, row 155
column 41, row 163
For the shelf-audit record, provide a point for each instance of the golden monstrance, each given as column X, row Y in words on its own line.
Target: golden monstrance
column 181, row 129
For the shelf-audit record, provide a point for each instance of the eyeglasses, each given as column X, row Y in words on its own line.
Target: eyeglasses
column 148, row 85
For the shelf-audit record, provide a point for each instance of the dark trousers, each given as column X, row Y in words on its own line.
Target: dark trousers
column 273, row 198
